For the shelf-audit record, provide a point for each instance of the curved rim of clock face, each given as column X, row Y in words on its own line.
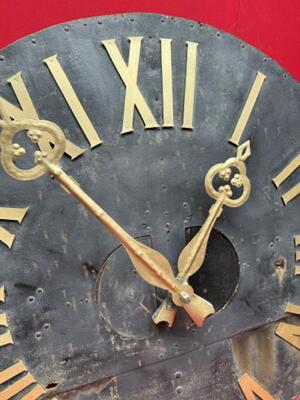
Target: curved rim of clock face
column 182, row 141
column 100, row 19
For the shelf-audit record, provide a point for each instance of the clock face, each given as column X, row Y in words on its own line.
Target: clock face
column 148, row 104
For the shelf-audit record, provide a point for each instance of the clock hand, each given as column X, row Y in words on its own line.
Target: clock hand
column 192, row 256
column 150, row 264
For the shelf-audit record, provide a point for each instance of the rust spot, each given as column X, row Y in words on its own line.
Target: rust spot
column 242, row 352
column 280, row 268
column 255, row 352
column 92, row 388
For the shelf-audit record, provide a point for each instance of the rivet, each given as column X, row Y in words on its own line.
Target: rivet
column 179, row 389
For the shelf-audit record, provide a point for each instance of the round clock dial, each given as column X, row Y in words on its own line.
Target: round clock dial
column 188, row 139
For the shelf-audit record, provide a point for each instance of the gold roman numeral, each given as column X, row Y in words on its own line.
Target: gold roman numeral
column 5, row 338
column 167, row 82
column 2, row 294
column 283, row 175
column 10, row 214
column 251, row 389
column 133, row 96
column 190, row 83
column 23, row 382
column 28, row 110
column 289, row 332
column 247, row 110
column 71, row 98
column 129, row 74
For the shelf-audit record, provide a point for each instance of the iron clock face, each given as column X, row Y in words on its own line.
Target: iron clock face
column 148, row 103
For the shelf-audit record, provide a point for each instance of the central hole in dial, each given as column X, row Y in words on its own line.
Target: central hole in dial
column 218, row 277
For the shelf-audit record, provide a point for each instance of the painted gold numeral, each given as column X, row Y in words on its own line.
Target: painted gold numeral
column 2, row 294
column 129, row 74
column 248, row 107
column 283, row 175
column 71, row 98
column 167, row 82
column 251, row 389
column 6, row 337
column 290, row 333
column 293, row 309
column 10, row 214
column 190, row 82
column 28, row 110
column 20, row 384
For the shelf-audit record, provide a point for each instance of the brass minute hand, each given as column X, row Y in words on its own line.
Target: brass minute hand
column 150, row 264
column 192, row 256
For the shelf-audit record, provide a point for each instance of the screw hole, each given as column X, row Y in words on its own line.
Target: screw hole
column 51, row 385
column 179, row 389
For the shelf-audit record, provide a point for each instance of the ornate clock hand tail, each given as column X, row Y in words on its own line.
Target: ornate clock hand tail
column 166, row 312
column 198, row 309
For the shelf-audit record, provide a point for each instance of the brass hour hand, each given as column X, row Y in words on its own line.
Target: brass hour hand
column 150, row 264
column 192, row 256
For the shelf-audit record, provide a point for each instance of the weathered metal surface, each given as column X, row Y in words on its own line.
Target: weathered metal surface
column 151, row 182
